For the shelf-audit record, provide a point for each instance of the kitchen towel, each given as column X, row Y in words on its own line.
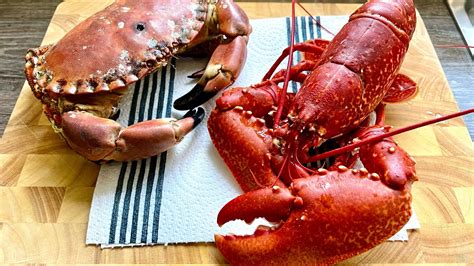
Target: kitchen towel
column 175, row 197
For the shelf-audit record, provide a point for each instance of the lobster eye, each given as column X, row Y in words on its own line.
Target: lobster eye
column 140, row 26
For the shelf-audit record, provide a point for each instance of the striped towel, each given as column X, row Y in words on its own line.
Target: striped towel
column 175, row 197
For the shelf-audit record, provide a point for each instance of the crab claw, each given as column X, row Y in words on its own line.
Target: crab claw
column 223, row 68
column 197, row 116
column 101, row 139
column 326, row 219
column 152, row 137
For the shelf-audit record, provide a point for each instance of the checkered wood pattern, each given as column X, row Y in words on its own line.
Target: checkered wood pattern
column 46, row 189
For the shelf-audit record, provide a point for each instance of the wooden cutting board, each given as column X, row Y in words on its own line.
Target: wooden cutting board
column 46, row 189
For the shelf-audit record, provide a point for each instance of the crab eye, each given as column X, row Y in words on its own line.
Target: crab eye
column 140, row 27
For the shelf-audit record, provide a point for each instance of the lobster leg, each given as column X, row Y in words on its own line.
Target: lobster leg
column 98, row 138
column 295, row 71
column 315, row 55
column 312, row 51
column 227, row 59
column 333, row 216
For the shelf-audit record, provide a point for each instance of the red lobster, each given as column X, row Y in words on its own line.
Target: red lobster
column 267, row 136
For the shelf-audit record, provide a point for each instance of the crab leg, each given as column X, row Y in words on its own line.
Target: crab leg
column 99, row 138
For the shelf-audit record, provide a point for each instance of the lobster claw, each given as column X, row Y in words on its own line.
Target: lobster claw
column 324, row 219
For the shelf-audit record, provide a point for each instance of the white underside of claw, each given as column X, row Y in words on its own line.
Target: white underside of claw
column 241, row 228
column 413, row 224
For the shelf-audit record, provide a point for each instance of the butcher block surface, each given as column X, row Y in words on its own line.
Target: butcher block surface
column 46, row 189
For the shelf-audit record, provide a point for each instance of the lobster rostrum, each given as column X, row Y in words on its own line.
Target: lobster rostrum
column 266, row 137
column 82, row 77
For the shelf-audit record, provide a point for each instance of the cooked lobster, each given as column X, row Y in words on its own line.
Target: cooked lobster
column 267, row 137
column 82, row 77
column 270, row 140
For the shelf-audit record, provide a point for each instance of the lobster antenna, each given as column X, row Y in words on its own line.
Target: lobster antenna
column 454, row 46
column 281, row 100
column 281, row 170
column 300, row 164
column 315, row 20
column 352, row 146
column 256, row 180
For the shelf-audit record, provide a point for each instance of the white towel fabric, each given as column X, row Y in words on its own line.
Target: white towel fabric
column 175, row 197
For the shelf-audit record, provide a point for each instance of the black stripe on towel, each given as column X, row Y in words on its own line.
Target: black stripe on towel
column 303, row 28
column 123, row 169
column 141, row 174
column 297, row 40
column 126, row 203
column 161, row 172
column 154, row 86
column 132, row 176
column 159, row 188
column 152, row 168
column 143, row 101
column 118, row 194
column 147, row 205
column 136, row 203
column 138, row 189
column 318, row 27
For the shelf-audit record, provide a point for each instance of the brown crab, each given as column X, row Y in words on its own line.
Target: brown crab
column 81, row 78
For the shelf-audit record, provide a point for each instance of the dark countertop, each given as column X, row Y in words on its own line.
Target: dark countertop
column 24, row 22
